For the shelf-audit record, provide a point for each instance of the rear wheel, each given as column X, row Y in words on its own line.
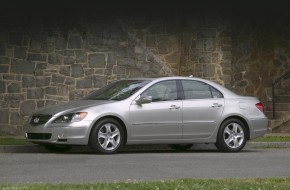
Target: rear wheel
column 57, row 148
column 180, row 147
column 232, row 136
column 107, row 137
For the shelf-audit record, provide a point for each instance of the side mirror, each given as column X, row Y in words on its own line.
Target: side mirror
column 144, row 100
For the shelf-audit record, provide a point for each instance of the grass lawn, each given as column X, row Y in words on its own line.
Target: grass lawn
column 182, row 184
column 12, row 141
column 273, row 139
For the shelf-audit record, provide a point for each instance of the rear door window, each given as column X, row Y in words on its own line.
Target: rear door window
column 199, row 90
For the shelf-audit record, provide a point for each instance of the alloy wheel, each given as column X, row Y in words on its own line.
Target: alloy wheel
column 233, row 135
column 109, row 136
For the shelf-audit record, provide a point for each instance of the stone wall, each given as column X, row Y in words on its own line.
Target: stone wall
column 50, row 59
column 40, row 69
column 49, row 56
column 193, row 45
column 261, row 55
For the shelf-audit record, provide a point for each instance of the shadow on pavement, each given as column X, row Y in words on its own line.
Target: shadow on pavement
column 129, row 149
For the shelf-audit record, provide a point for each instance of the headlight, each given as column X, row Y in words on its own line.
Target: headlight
column 72, row 117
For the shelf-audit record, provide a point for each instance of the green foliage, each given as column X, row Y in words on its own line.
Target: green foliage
column 182, row 184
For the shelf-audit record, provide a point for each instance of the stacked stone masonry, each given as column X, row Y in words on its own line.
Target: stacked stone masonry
column 45, row 62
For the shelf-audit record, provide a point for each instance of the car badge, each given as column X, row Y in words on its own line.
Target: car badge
column 36, row 120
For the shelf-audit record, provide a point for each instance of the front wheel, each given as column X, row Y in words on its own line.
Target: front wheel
column 232, row 136
column 107, row 136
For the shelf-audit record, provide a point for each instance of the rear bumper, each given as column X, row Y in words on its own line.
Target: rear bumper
column 258, row 128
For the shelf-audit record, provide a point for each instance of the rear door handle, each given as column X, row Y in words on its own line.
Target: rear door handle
column 174, row 107
column 214, row 105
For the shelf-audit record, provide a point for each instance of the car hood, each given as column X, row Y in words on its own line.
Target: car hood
column 70, row 106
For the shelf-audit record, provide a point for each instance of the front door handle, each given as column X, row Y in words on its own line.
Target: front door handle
column 174, row 107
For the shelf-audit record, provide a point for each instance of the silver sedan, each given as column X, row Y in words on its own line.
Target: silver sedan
column 178, row 111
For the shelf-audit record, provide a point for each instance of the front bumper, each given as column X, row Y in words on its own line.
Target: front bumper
column 67, row 134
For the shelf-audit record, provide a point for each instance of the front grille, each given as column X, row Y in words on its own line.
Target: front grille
column 39, row 136
column 39, row 119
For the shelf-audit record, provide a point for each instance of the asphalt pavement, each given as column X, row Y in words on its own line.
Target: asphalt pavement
column 32, row 148
column 32, row 164
column 133, row 166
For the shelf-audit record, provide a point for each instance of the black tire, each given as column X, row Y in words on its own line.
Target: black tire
column 107, row 136
column 57, row 148
column 232, row 136
column 180, row 147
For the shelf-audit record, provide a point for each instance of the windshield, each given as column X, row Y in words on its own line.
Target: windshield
column 119, row 90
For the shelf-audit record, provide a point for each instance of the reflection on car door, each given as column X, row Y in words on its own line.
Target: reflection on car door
column 202, row 109
column 162, row 118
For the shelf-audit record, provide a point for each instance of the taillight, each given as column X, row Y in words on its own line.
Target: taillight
column 260, row 106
